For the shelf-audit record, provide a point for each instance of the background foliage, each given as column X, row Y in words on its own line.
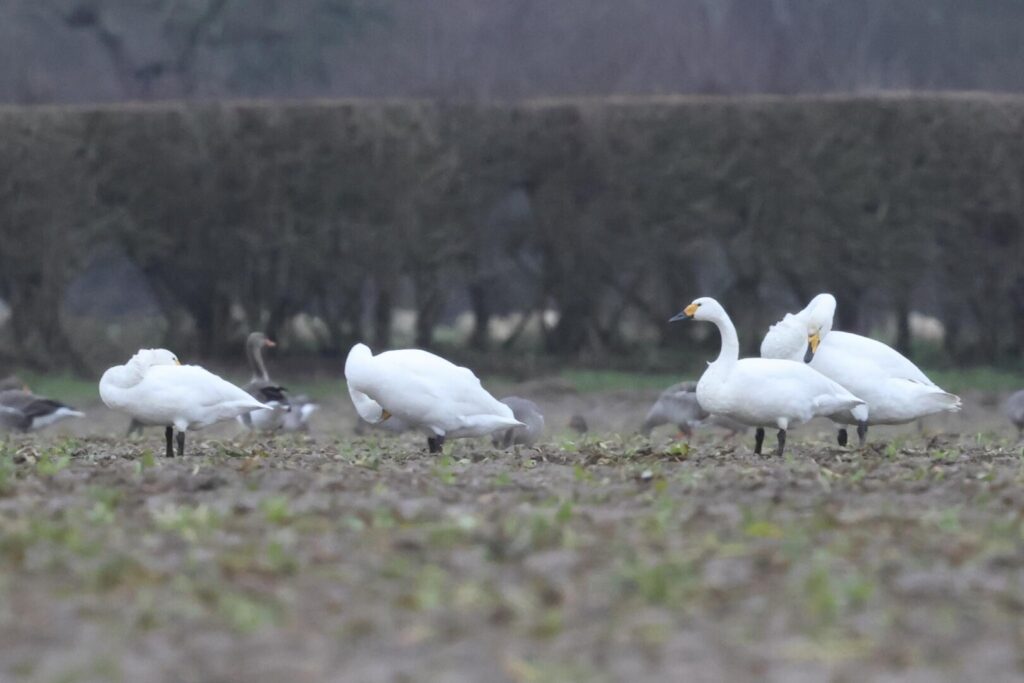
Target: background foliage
column 609, row 213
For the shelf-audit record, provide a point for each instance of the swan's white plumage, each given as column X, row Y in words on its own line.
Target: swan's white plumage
column 895, row 389
column 763, row 392
column 155, row 390
column 425, row 390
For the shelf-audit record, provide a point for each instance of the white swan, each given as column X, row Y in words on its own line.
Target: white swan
column 154, row 388
column 763, row 392
column 895, row 389
column 424, row 390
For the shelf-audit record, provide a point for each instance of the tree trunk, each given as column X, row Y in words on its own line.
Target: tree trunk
column 480, row 339
column 382, row 312
column 903, row 338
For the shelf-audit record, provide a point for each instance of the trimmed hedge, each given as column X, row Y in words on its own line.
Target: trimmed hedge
column 634, row 206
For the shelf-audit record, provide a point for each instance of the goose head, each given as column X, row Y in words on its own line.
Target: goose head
column 254, row 345
column 703, row 308
column 258, row 340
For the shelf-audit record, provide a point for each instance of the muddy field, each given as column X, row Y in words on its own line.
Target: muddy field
column 602, row 557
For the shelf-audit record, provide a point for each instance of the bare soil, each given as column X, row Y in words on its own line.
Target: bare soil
column 604, row 557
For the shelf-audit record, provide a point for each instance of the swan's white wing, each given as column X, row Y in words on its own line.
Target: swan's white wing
column 187, row 393
column 785, row 340
column 432, row 376
column 774, row 387
column 889, row 361
column 892, row 399
column 197, row 385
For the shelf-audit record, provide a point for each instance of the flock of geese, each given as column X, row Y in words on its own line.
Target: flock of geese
column 806, row 370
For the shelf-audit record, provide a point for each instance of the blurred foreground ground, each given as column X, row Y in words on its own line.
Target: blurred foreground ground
column 600, row 558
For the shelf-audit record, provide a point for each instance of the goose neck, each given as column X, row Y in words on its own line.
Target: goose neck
column 254, row 351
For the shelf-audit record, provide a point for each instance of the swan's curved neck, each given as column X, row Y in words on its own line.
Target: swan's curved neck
column 122, row 376
column 730, row 352
column 255, row 353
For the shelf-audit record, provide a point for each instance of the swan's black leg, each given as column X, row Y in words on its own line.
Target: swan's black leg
column 435, row 444
column 169, row 432
column 842, row 438
column 181, row 444
column 758, row 440
column 782, row 442
column 862, row 432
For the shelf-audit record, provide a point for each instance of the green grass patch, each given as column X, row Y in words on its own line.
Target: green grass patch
column 979, row 378
column 591, row 381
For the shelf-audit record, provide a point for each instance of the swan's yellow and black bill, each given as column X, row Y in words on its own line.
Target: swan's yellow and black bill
column 687, row 313
column 812, row 346
column 385, row 415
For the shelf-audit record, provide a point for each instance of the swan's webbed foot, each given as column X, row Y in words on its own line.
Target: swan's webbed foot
column 181, row 444
column 758, row 440
column 862, row 432
column 842, row 437
column 782, row 442
column 169, row 433
column 435, row 444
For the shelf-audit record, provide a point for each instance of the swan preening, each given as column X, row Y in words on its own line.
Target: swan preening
column 425, row 391
column 763, row 392
column 895, row 390
column 154, row 388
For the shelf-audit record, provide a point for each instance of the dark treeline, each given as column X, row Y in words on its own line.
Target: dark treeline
column 60, row 51
column 613, row 214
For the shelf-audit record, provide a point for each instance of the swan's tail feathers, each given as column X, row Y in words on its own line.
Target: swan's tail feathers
column 249, row 406
column 948, row 402
column 860, row 412
column 830, row 404
column 491, row 423
column 931, row 398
